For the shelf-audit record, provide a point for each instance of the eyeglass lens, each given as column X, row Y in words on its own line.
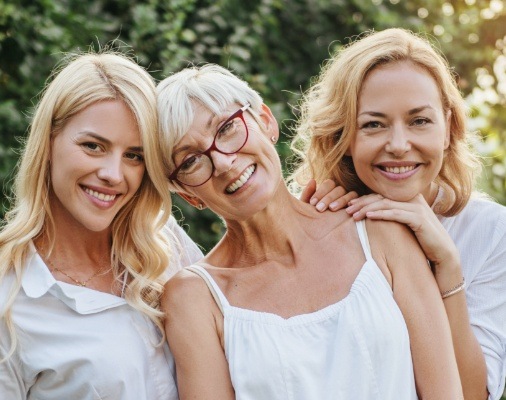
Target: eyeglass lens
column 229, row 139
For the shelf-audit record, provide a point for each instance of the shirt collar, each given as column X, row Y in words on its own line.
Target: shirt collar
column 37, row 281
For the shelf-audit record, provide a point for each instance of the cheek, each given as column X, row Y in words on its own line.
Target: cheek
column 58, row 173
column 436, row 146
column 360, row 153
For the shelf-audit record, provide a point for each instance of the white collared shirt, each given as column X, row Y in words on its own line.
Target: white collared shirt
column 479, row 232
column 76, row 343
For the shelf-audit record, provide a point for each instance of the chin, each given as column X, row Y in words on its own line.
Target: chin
column 98, row 226
column 396, row 196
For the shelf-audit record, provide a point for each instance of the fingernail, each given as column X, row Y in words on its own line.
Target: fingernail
column 320, row 206
column 313, row 201
column 349, row 210
column 333, row 205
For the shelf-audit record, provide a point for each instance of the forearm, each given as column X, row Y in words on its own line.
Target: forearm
column 434, row 362
column 194, row 387
column 468, row 353
column 416, row 293
column 470, row 359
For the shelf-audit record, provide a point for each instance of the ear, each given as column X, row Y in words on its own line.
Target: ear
column 192, row 200
column 448, row 129
column 270, row 122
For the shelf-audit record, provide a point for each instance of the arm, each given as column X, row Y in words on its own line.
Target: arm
column 419, row 300
column 194, row 327
column 439, row 248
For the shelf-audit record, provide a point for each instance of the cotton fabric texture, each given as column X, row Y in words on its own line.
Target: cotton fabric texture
column 479, row 231
column 357, row 348
column 79, row 343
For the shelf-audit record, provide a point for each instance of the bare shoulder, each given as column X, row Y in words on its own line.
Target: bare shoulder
column 394, row 247
column 390, row 235
column 186, row 292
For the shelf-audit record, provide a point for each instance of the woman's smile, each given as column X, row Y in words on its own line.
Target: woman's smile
column 246, row 175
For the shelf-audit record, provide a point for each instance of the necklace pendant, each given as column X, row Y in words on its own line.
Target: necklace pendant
column 83, row 284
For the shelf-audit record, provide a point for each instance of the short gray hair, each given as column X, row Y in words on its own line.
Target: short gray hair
column 210, row 85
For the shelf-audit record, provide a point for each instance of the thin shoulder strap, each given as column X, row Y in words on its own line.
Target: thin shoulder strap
column 364, row 240
column 217, row 294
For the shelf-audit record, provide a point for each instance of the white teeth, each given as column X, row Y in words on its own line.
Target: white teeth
column 399, row 170
column 242, row 180
column 100, row 196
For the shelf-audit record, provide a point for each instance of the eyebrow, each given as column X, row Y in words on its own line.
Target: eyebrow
column 176, row 152
column 186, row 147
column 102, row 139
column 410, row 112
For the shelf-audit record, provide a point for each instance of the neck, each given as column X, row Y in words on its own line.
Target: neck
column 276, row 233
column 71, row 241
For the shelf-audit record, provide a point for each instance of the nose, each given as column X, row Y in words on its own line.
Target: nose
column 111, row 170
column 222, row 162
column 398, row 142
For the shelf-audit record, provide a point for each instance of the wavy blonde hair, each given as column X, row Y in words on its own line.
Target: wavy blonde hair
column 138, row 247
column 328, row 120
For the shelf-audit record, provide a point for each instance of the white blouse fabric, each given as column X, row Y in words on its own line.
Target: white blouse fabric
column 82, row 344
column 357, row 348
column 479, row 232
column 184, row 250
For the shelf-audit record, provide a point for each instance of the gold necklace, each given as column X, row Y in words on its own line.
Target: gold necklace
column 76, row 281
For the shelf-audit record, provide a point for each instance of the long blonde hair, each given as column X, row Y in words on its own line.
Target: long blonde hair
column 138, row 247
column 328, row 118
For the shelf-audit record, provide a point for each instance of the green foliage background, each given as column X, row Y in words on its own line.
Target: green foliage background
column 276, row 45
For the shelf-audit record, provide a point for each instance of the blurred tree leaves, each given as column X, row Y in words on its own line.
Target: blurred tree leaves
column 276, row 45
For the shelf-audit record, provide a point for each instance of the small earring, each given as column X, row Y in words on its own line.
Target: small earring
column 273, row 139
column 200, row 206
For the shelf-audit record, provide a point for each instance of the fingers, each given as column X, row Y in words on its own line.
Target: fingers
column 343, row 201
column 373, row 208
column 324, row 189
column 308, row 191
column 359, row 206
column 401, row 216
column 334, row 196
column 326, row 196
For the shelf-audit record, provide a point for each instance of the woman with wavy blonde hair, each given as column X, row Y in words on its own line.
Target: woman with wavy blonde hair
column 329, row 115
column 83, row 254
column 385, row 116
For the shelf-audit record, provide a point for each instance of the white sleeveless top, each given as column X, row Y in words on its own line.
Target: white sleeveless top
column 357, row 348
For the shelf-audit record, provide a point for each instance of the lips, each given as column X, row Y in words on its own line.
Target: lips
column 395, row 172
column 242, row 180
column 100, row 196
